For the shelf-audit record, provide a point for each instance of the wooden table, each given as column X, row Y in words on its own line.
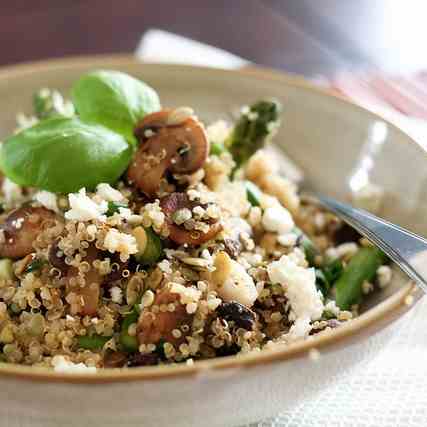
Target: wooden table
column 312, row 37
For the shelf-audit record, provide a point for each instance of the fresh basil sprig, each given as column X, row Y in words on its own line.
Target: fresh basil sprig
column 63, row 155
column 114, row 100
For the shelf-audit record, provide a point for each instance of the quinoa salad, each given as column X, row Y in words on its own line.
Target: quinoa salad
column 133, row 234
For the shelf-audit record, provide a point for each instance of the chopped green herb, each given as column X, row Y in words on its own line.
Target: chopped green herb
column 113, row 207
column 253, row 193
column 35, row 265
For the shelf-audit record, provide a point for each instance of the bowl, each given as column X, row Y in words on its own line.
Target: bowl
column 332, row 141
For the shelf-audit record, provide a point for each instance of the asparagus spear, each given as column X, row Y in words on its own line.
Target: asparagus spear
column 306, row 244
column 362, row 266
column 129, row 343
column 92, row 342
column 255, row 125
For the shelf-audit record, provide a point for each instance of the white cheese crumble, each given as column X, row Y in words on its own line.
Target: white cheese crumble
column 332, row 307
column 47, row 199
column 239, row 286
column 61, row 364
column 277, row 219
column 235, row 226
column 85, row 209
column 115, row 241
column 299, row 284
column 116, row 294
column 108, row 193
column 12, row 192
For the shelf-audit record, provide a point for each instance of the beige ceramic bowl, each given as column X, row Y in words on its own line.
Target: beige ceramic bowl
column 330, row 139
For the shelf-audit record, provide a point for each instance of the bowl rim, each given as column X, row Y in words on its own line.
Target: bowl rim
column 361, row 327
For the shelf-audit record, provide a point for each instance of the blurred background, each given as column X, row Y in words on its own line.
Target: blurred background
column 311, row 37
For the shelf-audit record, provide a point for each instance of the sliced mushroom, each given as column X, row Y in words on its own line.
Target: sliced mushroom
column 179, row 234
column 90, row 292
column 21, row 227
column 166, row 145
column 153, row 327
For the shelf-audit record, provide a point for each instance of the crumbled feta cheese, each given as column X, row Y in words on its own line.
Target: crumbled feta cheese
column 116, row 294
column 299, row 284
column 108, row 193
column 277, row 219
column 61, row 364
column 125, row 213
column 47, row 199
column 239, row 286
column 85, row 209
column 12, row 192
column 115, row 241
column 235, row 226
column 369, row 197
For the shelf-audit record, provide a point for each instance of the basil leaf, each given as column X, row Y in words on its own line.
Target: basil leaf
column 63, row 155
column 114, row 100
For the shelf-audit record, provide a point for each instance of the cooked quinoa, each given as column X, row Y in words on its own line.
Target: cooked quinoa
column 160, row 268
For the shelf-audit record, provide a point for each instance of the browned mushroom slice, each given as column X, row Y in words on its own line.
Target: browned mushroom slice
column 21, row 227
column 153, row 327
column 179, row 234
column 90, row 292
column 177, row 146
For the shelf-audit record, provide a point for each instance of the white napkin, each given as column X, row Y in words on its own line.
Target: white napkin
column 389, row 391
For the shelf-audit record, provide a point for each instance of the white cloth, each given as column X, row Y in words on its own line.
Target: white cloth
column 390, row 390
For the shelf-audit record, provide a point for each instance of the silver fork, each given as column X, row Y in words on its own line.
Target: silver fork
column 406, row 249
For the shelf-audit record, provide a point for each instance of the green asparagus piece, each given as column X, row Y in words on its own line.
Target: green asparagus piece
column 307, row 246
column 129, row 343
column 92, row 342
column 362, row 266
column 255, row 125
column 153, row 250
